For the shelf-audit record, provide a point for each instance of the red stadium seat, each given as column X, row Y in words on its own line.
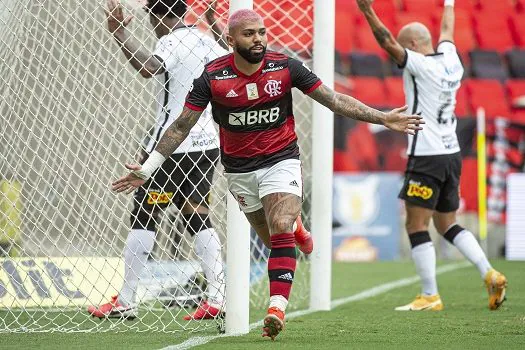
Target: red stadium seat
column 344, row 32
column 394, row 92
column 388, row 19
column 488, row 94
column 343, row 162
column 515, row 89
column 517, row 27
column 518, row 117
column 492, row 32
column 384, row 7
column 500, row 7
column 369, row 90
column 366, row 42
column 420, row 7
column 349, row 6
column 520, row 5
column 468, row 183
column 361, row 146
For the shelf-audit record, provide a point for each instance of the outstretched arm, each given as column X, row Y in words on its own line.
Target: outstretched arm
column 447, row 22
column 146, row 64
column 174, row 135
column 216, row 28
column 350, row 107
column 383, row 36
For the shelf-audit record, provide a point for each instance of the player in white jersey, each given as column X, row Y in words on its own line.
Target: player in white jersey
column 185, row 178
column 431, row 190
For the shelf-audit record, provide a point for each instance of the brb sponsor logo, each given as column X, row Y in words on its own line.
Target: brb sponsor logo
column 415, row 189
column 260, row 117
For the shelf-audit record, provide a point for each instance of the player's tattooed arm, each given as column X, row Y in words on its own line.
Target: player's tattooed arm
column 348, row 106
column 384, row 38
column 146, row 64
column 177, row 131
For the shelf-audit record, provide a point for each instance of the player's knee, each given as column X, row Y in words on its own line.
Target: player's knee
column 143, row 220
column 196, row 222
column 415, row 225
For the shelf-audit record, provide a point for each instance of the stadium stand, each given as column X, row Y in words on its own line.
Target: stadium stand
column 490, row 36
column 488, row 94
column 516, row 60
column 487, row 65
column 366, row 64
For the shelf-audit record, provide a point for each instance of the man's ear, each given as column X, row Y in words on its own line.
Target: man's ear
column 229, row 39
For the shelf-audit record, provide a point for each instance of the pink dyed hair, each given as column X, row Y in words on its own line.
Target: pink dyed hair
column 242, row 16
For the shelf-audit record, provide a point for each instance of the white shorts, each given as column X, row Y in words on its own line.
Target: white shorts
column 249, row 188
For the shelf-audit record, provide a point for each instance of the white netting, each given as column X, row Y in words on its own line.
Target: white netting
column 72, row 112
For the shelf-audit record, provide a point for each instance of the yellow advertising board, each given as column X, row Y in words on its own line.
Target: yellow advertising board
column 58, row 281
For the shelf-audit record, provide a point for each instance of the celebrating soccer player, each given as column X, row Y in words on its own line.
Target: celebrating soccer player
column 431, row 190
column 251, row 98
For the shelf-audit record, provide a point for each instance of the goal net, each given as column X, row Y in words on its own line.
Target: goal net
column 73, row 111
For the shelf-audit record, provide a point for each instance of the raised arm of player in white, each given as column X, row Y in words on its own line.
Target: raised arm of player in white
column 348, row 106
column 145, row 63
column 169, row 142
column 383, row 36
column 447, row 22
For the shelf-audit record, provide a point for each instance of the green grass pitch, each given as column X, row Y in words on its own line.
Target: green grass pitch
column 371, row 323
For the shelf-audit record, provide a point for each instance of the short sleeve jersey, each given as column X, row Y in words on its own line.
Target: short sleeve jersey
column 254, row 113
column 431, row 83
column 183, row 52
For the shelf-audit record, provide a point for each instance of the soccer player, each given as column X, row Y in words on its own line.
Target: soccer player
column 250, row 94
column 185, row 178
column 431, row 189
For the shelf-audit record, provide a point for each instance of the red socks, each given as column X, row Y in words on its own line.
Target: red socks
column 281, row 264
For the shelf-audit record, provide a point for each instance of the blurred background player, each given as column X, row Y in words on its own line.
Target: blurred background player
column 185, row 178
column 250, row 93
column 431, row 79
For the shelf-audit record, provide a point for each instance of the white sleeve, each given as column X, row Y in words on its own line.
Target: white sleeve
column 446, row 46
column 415, row 62
column 166, row 51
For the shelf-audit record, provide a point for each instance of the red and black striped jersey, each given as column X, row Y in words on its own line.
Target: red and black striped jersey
column 254, row 113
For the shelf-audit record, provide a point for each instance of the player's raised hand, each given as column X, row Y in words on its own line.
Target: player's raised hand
column 129, row 182
column 115, row 16
column 398, row 121
column 364, row 5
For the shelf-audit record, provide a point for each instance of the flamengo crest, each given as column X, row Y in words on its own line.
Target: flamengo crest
column 273, row 88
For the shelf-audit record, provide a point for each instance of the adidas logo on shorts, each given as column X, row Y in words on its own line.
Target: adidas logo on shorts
column 231, row 94
column 294, row 183
column 287, row 276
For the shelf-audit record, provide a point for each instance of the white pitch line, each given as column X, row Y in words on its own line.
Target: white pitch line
column 368, row 293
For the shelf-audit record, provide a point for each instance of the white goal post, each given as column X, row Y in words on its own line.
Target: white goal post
column 72, row 112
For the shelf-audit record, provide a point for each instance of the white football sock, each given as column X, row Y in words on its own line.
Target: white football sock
column 279, row 302
column 470, row 248
column 138, row 247
column 208, row 249
column 424, row 256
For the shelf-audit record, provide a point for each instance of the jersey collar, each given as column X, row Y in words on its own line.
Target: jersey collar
column 241, row 74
